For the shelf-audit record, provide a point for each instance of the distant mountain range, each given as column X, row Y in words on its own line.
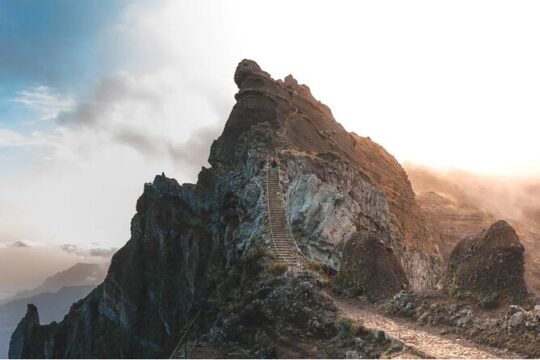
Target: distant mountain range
column 53, row 297
column 80, row 274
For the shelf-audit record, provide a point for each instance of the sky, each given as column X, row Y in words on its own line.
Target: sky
column 99, row 96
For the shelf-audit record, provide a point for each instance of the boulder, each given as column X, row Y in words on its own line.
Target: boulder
column 370, row 267
column 488, row 267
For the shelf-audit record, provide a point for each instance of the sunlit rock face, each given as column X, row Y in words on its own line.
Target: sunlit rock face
column 488, row 266
column 187, row 241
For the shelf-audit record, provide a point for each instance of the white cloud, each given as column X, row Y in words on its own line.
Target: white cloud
column 11, row 138
column 45, row 100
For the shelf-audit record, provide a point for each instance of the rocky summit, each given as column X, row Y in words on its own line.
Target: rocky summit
column 488, row 266
column 201, row 260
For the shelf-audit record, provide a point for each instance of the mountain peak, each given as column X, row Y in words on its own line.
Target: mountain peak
column 248, row 68
column 192, row 245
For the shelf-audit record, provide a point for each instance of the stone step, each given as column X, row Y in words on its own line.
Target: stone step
column 282, row 242
column 289, row 259
column 281, row 252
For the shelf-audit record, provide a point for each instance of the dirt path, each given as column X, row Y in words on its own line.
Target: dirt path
column 431, row 345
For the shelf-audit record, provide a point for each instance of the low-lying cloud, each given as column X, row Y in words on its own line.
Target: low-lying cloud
column 91, row 252
column 505, row 197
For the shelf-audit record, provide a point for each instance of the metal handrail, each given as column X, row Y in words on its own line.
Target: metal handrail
column 186, row 332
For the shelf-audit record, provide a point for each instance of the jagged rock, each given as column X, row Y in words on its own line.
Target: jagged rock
column 488, row 267
column 193, row 245
column 404, row 303
column 20, row 346
column 463, row 317
column 512, row 309
column 517, row 319
column 371, row 267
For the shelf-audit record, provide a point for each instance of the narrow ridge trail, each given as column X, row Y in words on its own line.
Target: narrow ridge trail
column 429, row 344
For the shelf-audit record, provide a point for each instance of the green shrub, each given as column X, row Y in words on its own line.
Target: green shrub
column 345, row 328
column 489, row 300
column 256, row 251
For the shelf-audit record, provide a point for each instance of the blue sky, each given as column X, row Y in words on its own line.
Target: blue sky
column 53, row 43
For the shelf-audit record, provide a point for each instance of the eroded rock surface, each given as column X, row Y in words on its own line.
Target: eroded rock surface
column 488, row 266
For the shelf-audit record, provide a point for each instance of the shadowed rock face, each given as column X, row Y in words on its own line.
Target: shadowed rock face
column 188, row 242
column 369, row 267
column 489, row 266
column 20, row 344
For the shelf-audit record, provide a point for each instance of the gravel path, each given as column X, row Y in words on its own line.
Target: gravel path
column 426, row 343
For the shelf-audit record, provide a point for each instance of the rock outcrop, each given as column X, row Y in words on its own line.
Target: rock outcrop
column 370, row 268
column 192, row 245
column 21, row 341
column 488, row 267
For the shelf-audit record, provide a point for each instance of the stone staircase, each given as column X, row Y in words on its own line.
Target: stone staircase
column 282, row 240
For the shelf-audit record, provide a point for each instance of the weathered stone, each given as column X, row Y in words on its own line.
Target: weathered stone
column 512, row 309
column 488, row 267
column 371, row 267
column 517, row 319
column 464, row 317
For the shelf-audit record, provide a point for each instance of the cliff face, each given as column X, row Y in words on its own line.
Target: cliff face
column 190, row 244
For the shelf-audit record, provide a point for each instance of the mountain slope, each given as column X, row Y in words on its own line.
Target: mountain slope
column 203, row 248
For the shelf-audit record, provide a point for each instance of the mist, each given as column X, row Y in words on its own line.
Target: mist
column 516, row 198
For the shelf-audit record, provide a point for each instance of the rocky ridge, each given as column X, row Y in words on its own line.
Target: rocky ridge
column 201, row 247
